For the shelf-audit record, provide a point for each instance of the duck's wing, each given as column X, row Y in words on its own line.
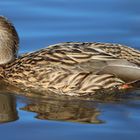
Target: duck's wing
column 85, row 57
column 98, row 58
column 122, row 69
column 78, row 56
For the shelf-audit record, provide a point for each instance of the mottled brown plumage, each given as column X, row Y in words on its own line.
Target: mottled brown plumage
column 73, row 68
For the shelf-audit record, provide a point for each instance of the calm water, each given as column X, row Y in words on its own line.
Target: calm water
column 44, row 22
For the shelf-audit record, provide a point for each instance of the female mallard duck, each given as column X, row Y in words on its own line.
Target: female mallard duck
column 74, row 69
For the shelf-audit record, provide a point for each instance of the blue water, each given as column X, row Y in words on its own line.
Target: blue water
column 44, row 22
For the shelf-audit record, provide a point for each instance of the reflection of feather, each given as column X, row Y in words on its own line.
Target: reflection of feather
column 7, row 108
column 58, row 109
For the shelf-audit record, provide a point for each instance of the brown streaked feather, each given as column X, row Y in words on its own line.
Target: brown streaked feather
column 65, row 74
column 74, row 69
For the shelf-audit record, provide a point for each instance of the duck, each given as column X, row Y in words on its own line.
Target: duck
column 69, row 68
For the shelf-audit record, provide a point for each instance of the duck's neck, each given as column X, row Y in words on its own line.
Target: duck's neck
column 6, row 54
column 8, row 41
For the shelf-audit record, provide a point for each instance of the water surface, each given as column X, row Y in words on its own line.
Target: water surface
column 44, row 22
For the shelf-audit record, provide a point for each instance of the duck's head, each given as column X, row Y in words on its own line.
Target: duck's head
column 8, row 41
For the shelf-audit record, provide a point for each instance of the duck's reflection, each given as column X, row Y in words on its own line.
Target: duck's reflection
column 74, row 111
column 50, row 109
column 8, row 111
